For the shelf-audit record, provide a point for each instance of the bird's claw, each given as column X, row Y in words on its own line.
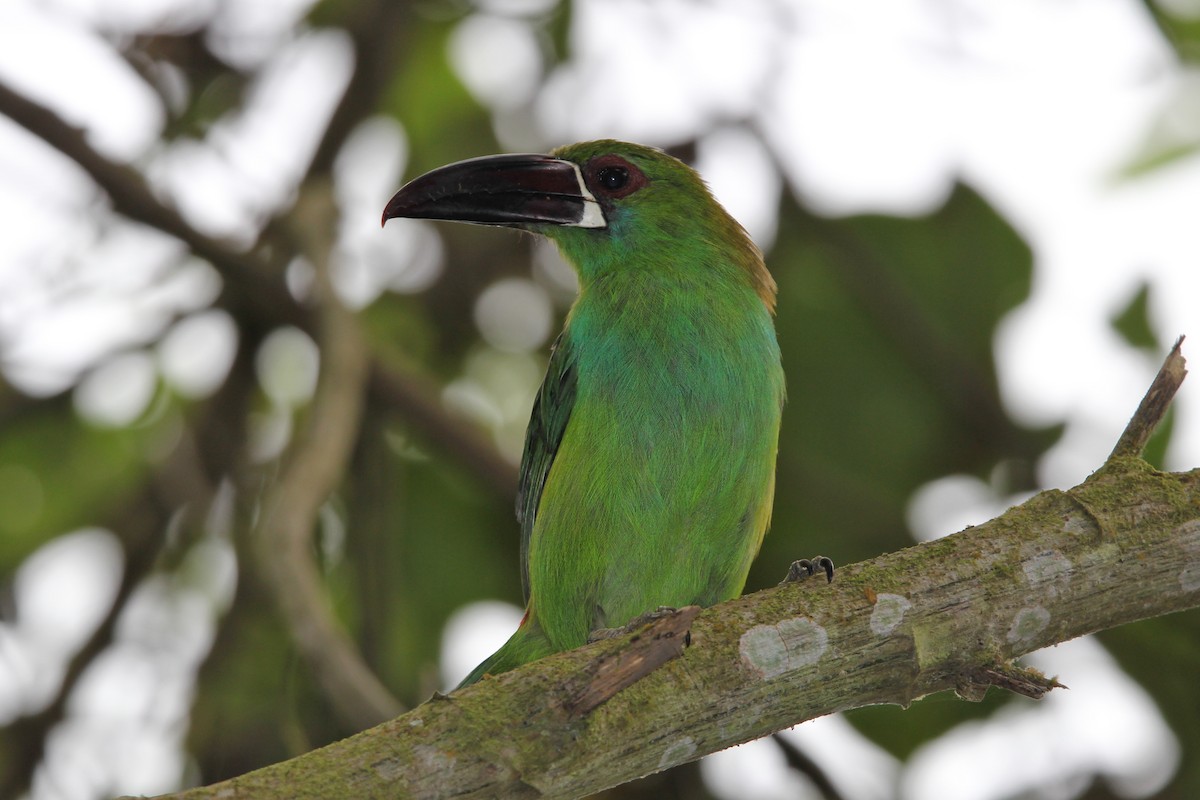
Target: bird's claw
column 632, row 625
column 807, row 567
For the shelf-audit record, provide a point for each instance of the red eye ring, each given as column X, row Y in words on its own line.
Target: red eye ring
column 614, row 177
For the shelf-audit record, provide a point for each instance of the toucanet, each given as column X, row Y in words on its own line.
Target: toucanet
column 649, row 463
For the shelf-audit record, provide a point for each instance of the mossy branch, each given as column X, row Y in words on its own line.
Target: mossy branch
column 948, row 614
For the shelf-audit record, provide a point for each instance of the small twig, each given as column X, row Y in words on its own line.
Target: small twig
column 1025, row 681
column 1153, row 406
column 313, row 470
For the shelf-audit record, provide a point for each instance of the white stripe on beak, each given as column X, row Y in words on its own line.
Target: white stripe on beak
column 593, row 215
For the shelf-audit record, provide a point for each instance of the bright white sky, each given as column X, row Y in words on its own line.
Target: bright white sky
column 872, row 105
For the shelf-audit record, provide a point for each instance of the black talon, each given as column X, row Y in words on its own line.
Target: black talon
column 806, row 567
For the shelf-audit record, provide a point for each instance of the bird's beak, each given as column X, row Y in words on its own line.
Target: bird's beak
column 513, row 190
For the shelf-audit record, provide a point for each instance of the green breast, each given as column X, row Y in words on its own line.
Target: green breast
column 661, row 488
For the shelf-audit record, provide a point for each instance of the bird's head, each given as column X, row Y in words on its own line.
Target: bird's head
column 607, row 204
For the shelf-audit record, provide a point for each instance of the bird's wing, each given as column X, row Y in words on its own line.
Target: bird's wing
column 551, row 410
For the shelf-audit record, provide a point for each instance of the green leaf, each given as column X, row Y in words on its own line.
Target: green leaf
column 1133, row 322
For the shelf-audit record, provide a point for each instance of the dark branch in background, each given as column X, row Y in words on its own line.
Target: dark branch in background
column 378, row 31
column 254, row 292
column 311, row 472
column 26, row 737
column 1154, row 405
column 140, row 525
column 798, row 760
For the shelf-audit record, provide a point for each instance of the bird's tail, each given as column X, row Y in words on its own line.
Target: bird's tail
column 528, row 643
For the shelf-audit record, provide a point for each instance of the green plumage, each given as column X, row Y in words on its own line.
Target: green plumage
column 648, row 471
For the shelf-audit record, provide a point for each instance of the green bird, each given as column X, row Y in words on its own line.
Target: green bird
column 649, row 465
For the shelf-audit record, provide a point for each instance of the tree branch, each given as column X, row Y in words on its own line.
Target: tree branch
column 946, row 614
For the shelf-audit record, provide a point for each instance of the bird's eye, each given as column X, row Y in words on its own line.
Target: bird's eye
column 613, row 178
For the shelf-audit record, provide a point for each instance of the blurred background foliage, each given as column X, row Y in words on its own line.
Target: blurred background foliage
column 154, row 655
